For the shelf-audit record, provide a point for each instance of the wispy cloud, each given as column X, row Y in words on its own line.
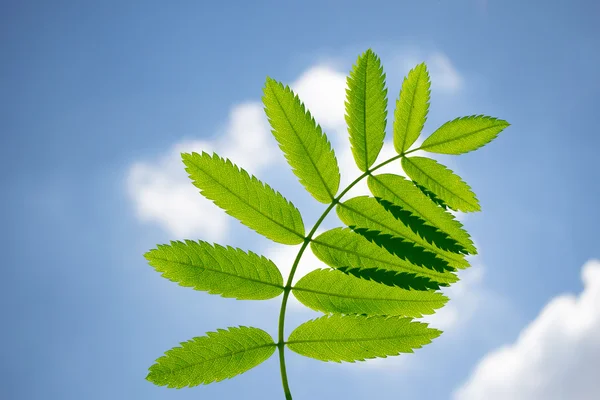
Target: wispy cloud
column 322, row 89
column 444, row 76
column 163, row 194
column 465, row 298
column 555, row 357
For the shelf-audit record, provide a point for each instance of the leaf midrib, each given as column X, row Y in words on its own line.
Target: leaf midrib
column 355, row 339
column 365, row 112
column 181, row 263
column 410, row 114
column 194, row 364
column 363, row 298
column 454, row 138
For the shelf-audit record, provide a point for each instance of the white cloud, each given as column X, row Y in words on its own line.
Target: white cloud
column 284, row 256
column 443, row 74
column 247, row 140
column 322, row 89
column 465, row 297
column 162, row 192
column 556, row 357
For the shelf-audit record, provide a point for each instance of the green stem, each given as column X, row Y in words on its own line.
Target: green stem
column 288, row 286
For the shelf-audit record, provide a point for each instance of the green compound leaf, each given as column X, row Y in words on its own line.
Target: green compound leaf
column 440, row 180
column 332, row 291
column 412, row 107
column 402, row 245
column 399, row 191
column 305, row 146
column 366, row 113
column 432, row 196
column 418, row 226
column 406, row 250
column 357, row 338
column 366, row 212
column 464, row 134
column 351, row 253
column 212, row 358
column 246, row 198
column 227, row 271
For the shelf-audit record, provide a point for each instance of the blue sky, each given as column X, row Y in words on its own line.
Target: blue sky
column 97, row 97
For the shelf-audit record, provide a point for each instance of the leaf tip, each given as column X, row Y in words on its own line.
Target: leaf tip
column 149, row 255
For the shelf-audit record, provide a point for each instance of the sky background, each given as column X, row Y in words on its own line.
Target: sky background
column 97, row 100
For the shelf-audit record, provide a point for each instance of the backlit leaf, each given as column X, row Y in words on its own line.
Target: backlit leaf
column 464, row 134
column 332, row 291
column 404, row 249
column 432, row 196
column 212, row 358
column 417, row 225
column 366, row 112
column 446, row 185
column 412, row 107
column 227, row 271
column 357, row 337
column 246, row 198
column 305, row 146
